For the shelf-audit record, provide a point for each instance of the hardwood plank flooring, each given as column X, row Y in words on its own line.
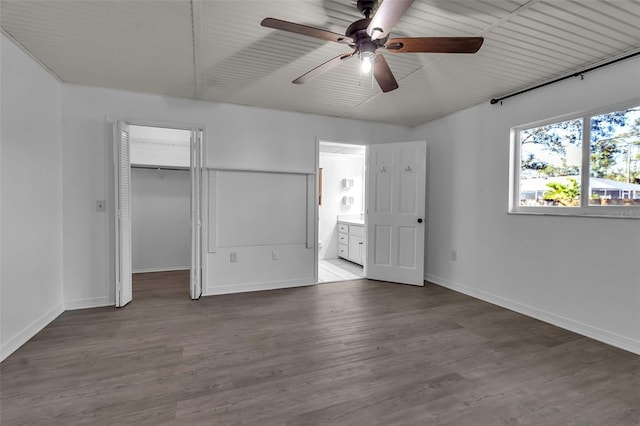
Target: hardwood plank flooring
column 350, row 353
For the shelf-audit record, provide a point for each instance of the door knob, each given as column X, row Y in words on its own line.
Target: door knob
column 420, row 220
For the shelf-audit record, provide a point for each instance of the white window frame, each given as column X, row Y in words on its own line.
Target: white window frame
column 584, row 210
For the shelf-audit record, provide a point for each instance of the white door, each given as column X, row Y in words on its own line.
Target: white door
column 196, row 215
column 122, row 172
column 395, row 214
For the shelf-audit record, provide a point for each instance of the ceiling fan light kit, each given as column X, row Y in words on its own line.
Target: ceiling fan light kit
column 371, row 33
column 366, row 61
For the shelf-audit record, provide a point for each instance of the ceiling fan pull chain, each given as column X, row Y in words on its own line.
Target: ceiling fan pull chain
column 371, row 79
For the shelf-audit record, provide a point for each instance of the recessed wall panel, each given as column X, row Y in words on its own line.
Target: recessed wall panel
column 255, row 208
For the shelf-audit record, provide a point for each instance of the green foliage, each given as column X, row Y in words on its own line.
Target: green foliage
column 544, row 149
column 554, row 137
column 543, row 168
column 565, row 194
column 615, row 146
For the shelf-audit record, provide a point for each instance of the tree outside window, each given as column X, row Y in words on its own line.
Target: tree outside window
column 556, row 158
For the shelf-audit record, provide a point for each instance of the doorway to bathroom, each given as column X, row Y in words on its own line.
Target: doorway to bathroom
column 341, row 219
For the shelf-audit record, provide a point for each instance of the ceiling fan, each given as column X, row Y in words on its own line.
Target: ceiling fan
column 371, row 33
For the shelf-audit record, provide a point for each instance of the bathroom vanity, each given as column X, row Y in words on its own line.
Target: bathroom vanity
column 351, row 240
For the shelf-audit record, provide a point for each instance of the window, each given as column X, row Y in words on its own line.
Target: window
column 552, row 159
column 615, row 158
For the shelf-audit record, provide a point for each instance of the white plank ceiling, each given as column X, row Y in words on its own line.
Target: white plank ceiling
column 216, row 50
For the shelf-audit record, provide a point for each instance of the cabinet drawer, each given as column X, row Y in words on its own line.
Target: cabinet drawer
column 343, row 228
column 343, row 251
column 356, row 230
column 343, row 238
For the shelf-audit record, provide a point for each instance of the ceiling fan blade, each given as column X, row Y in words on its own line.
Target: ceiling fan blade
column 388, row 14
column 291, row 27
column 383, row 74
column 320, row 69
column 434, row 44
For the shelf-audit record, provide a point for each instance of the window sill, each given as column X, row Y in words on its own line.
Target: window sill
column 606, row 213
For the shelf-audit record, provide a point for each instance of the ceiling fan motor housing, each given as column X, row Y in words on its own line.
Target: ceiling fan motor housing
column 362, row 41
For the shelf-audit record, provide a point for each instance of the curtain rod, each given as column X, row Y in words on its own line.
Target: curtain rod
column 576, row 74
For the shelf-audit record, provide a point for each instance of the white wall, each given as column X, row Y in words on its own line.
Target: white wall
column 579, row 273
column 336, row 167
column 161, row 219
column 236, row 137
column 31, row 199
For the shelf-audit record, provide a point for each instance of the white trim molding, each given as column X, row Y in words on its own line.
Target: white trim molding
column 94, row 302
column 167, row 269
column 256, row 286
column 29, row 332
column 586, row 330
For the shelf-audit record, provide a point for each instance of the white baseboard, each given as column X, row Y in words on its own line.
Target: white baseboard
column 29, row 331
column 592, row 332
column 256, row 286
column 96, row 302
column 175, row 268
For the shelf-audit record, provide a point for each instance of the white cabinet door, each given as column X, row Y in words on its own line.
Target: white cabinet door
column 355, row 249
column 396, row 182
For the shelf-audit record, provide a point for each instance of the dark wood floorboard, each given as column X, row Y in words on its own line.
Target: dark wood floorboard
column 350, row 353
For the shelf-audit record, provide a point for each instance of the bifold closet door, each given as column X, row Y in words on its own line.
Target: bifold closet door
column 123, row 248
column 196, row 214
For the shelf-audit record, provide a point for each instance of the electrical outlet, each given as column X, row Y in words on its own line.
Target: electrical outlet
column 274, row 255
column 100, row 205
column 233, row 257
column 454, row 255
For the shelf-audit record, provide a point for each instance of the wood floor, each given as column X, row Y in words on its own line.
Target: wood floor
column 350, row 353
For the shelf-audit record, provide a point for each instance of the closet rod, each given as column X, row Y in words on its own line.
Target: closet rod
column 140, row 166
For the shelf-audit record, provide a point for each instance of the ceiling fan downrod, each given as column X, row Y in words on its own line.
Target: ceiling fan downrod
column 366, row 7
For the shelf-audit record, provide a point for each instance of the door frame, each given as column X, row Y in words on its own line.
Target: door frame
column 317, row 208
column 317, row 193
column 111, row 222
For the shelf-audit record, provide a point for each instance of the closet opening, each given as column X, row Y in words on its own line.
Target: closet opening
column 158, row 184
column 341, row 218
column 160, row 207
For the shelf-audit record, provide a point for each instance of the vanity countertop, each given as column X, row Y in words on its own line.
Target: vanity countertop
column 351, row 220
